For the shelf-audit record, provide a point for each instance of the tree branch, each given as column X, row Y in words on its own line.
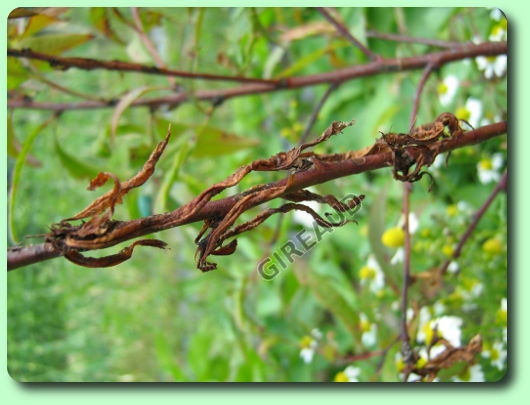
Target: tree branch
column 346, row 34
column 116, row 65
column 340, row 75
column 126, row 230
column 413, row 40
column 476, row 218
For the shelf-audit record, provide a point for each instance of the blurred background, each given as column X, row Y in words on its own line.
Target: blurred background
column 331, row 315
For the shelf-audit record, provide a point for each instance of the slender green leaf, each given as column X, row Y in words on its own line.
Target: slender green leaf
column 214, row 142
column 126, row 102
column 73, row 165
column 171, row 176
column 19, row 164
column 54, row 43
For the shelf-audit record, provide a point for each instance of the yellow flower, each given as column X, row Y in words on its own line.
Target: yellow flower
column 492, row 246
column 428, row 332
column 400, row 364
column 452, row 210
column 306, row 341
column 486, row 164
column 367, row 272
column 365, row 326
column 462, row 113
column 448, row 250
column 421, row 362
column 502, row 316
column 442, row 88
column 285, row 132
column 341, row 377
column 393, row 237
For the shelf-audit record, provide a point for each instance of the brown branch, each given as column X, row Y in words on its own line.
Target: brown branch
column 476, row 218
column 116, row 65
column 125, row 230
column 346, row 34
column 340, row 75
column 413, row 40
column 407, row 189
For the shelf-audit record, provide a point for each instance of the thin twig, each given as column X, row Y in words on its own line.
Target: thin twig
column 407, row 189
column 346, row 34
column 126, row 230
column 139, row 28
column 419, row 90
column 413, row 40
column 476, row 218
column 314, row 114
column 369, row 69
column 116, row 65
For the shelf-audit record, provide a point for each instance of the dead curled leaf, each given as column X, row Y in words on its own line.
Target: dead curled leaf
column 293, row 159
column 449, row 357
column 112, row 260
column 114, row 196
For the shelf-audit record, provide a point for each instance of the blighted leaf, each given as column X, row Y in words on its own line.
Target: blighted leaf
column 54, row 43
column 112, row 260
column 126, row 102
column 21, row 12
column 73, row 165
column 111, row 197
column 214, row 142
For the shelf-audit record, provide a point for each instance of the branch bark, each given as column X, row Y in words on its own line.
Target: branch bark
column 369, row 69
column 126, row 230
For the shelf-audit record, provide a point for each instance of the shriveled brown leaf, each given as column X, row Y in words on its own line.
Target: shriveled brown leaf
column 114, row 196
column 112, row 260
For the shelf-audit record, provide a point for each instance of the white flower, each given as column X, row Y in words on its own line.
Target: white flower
column 398, row 257
column 496, row 14
column 307, row 354
column 450, row 328
column 492, row 65
column 497, row 354
column 374, row 276
column 488, row 169
column 305, row 219
column 308, row 347
column 438, row 162
column 316, row 333
column 352, row 373
column 504, row 304
column 369, row 336
column 453, row 267
column 447, row 89
column 475, row 375
column 474, row 107
column 414, row 223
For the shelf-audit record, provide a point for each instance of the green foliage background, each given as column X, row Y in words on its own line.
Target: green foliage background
column 157, row 318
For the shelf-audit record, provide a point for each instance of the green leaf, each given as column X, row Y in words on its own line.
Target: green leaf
column 125, row 102
column 16, row 73
column 215, row 142
column 331, row 297
column 376, row 227
column 74, row 166
column 19, row 164
column 54, row 44
column 13, row 145
column 166, row 357
column 171, row 176
column 37, row 23
column 309, row 59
